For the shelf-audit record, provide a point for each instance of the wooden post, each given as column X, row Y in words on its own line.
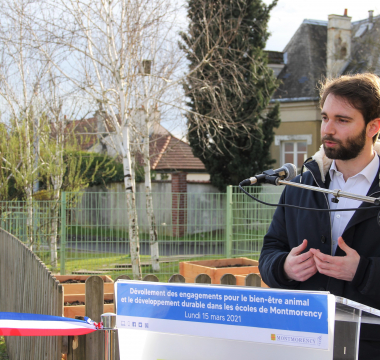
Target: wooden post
column 203, row 279
column 177, row 278
column 76, row 347
column 151, row 277
column 94, row 308
column 228, row 279
column 117, row 355
column 253, row 280
column 122, row 277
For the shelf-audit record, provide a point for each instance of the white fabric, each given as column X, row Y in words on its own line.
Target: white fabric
column 358, row 184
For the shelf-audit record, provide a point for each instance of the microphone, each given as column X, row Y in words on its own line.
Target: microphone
column 286, row 172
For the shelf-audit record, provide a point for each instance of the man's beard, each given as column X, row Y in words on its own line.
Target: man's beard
column 349, row 151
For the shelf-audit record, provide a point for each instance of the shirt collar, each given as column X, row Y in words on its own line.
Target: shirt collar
column 369, row 172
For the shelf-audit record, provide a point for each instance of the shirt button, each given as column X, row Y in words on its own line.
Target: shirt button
column 338, row 216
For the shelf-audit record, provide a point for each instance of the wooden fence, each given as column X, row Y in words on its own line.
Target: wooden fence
column 27, row 286
column 91, row 346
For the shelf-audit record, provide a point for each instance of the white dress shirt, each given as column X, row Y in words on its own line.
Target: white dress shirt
column 358, row 184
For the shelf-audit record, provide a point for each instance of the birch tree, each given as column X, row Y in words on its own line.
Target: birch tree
column 21, row 74
column 101, row 50
column 57, row 140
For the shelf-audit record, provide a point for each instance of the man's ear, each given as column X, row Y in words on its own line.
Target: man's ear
column 373, row 127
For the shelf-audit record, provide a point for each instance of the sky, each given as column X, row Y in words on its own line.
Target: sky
column 288, row 15
column 285, row 19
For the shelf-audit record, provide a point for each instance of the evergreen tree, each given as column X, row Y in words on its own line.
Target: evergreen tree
column 229, row 88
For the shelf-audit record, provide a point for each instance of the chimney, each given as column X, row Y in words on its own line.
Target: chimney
column 370, row 16
column 146, row 67
column 338, row 43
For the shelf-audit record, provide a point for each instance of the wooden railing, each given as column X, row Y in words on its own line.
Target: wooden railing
column 27, row 286
column 91, row 346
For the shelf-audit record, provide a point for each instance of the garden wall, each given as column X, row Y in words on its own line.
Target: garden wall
column 28, row 287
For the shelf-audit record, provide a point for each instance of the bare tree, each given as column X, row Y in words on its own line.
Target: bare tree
column 57, row 142
column 103, row 49
column 21, row 73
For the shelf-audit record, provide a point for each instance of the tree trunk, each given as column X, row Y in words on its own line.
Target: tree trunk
column 28, row 185
column 29, row 219
column 153, row 237
column 57, row 183
column 134, row 242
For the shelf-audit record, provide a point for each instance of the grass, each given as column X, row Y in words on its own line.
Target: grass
column 76, row 260
column 98, row 261
column 166, row 269
column 115, row 233
column 3, row 349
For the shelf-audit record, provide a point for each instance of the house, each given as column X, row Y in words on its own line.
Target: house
column 174, row 167
column 317, row 50
column 169, row 156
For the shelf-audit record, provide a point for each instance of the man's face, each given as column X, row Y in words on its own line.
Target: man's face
column 343, row 129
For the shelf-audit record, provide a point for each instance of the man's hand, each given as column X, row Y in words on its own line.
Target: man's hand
column 339, row 267
column 299, row 266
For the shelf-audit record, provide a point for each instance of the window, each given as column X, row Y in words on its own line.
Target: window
column 293, row 148
column 294, row 152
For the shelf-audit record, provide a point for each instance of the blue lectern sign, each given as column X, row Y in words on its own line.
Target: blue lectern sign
column 235, row 313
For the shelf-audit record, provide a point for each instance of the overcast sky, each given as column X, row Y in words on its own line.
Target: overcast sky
column 288, row 15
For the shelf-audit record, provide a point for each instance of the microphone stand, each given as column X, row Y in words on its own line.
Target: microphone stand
column 336, row 193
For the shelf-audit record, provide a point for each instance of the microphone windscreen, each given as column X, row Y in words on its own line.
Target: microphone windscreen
column 291, row 171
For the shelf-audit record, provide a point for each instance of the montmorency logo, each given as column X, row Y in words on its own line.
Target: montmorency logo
column 273, row 337
column 297, row 339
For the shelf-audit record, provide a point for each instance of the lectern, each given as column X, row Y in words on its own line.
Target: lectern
column 204, row 322
column 349, row 315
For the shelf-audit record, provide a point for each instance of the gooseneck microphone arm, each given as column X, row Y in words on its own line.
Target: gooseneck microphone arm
column 288, row 172
column 336, row 193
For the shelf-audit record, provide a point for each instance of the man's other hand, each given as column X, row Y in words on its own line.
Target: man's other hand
column 339, row 267
column 299, row 266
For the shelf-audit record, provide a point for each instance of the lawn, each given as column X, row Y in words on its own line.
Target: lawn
column 102, row 250
column 104, row 232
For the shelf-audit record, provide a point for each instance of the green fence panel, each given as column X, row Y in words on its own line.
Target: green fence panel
column 93, row 228
column 14, row 219
column 251, row 219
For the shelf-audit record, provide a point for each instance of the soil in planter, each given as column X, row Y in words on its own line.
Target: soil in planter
column 72, row 281
column 74, row 303
column 229, row 266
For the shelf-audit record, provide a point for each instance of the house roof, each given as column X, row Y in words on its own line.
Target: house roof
column 305, row 56
column 305, row 62
column 86, row 131
column 171, row 154
column 365, row 51
column 176, row 155
column 167, row 153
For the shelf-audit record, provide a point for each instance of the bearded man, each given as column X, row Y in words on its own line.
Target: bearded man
column 337, row 251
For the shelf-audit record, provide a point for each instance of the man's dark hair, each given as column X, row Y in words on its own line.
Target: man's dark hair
column 361, row 91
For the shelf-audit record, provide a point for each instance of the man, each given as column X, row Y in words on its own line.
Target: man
column 334, row 251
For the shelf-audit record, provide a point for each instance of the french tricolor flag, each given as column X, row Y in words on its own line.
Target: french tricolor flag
column 20, row 324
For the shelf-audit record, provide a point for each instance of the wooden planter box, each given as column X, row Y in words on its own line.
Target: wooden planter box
column 217, row 268
column 79, row 310
column 240, row 280
column 76, row 292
